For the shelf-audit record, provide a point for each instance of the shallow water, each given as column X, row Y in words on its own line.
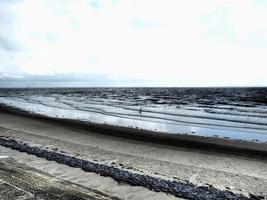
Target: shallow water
column 237, row 113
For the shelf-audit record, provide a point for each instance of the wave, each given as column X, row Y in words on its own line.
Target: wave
column 228, row 109
column 147, row 115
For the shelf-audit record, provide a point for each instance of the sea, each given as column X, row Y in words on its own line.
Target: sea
column 231, row 113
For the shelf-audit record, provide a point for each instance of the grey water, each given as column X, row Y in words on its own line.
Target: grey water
column 235, row 113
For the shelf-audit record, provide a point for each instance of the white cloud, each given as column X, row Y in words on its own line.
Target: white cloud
column 169, row 42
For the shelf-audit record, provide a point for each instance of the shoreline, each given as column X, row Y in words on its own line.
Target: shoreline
column 202, row 143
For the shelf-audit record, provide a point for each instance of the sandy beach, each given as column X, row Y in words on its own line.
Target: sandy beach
column 19, row 181
column 240, row 174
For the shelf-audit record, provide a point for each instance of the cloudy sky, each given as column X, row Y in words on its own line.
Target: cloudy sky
column 133, row 42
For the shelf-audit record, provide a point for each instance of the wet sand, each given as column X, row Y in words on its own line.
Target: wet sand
column 240, row 174
column 214, row 144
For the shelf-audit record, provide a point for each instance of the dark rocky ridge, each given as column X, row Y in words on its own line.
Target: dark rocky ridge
column 176, row 188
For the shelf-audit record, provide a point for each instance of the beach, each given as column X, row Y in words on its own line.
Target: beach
column 240, row 174
column 133, row 100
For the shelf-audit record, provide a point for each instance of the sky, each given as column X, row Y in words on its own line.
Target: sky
column 133, row 43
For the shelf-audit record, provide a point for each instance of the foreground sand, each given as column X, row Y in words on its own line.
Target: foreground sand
column 240, row 174
column 19, row 181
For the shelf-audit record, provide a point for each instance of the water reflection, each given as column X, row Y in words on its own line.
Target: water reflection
column 139, row 122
